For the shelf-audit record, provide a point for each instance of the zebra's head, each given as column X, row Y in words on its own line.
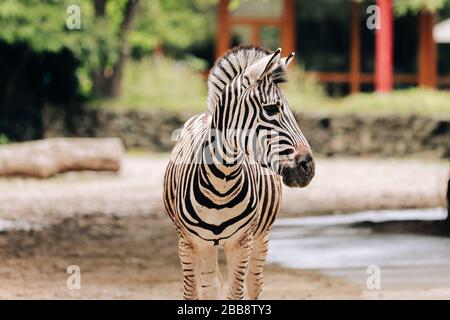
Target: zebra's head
column 280, row 144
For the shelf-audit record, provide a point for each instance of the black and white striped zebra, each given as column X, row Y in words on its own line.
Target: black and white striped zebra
column 222, row 187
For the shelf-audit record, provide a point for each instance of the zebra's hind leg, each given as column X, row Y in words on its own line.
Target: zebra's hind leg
column 238, row 255
column 211, row 280
column 190, row 267
column 256, row 266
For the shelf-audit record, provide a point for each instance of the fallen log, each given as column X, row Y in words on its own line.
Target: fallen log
column 45, row 158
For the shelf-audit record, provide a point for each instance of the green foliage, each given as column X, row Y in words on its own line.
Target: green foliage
column 160, row 83
column 322, row 9
column 3, row 139
column 41, row 24
column 179, row 26
column 404, row 6
column 176, row 24
column 234, row 4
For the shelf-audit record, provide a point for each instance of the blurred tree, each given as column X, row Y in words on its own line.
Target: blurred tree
column 110, row 30
column 173, row 26
column 41, row 26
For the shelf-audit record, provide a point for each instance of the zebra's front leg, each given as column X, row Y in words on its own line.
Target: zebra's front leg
column 256, row 266
column 211, row 280
column 238, row 256
column 190, row 266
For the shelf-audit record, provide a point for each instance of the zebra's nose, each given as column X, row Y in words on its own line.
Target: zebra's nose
column 300, row 173
column 305, row 164
column 304, row 161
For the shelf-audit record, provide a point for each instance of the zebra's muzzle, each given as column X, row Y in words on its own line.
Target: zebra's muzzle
column 300, row 174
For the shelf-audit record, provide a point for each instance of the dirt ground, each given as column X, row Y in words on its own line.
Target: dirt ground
column 114, row 228
column 340, row 185
column 124, row 258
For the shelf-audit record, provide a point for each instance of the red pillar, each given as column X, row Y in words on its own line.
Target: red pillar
column 355, row 48
column 384, row 75
column 288, row 27
column 223, row 28
column 427, row 51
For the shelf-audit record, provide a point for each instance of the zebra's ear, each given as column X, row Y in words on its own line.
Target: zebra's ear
column 285, row 62
column 263, row 66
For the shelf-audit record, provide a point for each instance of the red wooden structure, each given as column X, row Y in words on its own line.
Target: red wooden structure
column 285, row 22
column 383, row 78
column 427, row 51
column 384, row 74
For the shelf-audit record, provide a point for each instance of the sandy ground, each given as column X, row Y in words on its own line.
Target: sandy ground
column 124, row 258
column 113, row 227
column 340, row 185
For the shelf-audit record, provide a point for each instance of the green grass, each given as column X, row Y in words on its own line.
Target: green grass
column 163, row 83
column 305, row 94
column 159, row 83
column 408, row 101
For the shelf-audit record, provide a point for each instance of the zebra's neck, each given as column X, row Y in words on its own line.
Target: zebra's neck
column 221, row 154
column 222, row 161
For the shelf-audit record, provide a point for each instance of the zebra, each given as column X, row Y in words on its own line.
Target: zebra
column 222, row 186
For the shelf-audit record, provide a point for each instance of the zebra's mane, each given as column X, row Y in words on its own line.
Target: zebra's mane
column 233, row 63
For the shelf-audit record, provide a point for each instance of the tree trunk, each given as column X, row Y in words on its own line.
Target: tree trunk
column 45, row 158
column 98, row 76
column 109, row 85
column 100, row 8
column 127, row 24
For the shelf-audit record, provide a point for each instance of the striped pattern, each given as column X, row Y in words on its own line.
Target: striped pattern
column 222, row 187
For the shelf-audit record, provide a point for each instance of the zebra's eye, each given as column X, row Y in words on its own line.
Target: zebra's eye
column 271, row 109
